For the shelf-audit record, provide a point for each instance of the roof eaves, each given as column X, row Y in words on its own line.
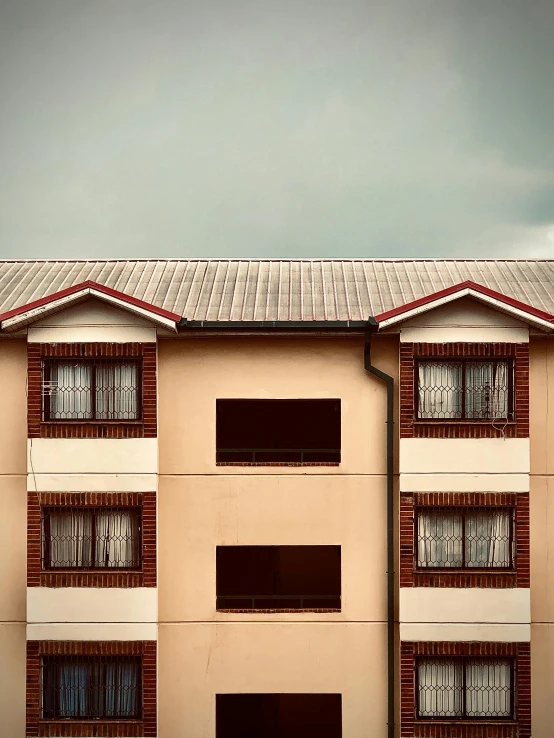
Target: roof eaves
column 23, row 315
column 278, row 325
column 499, row 301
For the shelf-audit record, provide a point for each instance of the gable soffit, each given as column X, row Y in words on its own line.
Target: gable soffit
column 467, row 305
column 40, row 310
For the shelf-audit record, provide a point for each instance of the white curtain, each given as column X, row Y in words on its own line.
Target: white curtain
column 70, row 539
column 439, row 540
column 71, row 392
column 440, row 390
column 488, row 539
column 116, row 539
column 487, row 390
column 488, row 688
column 116, row 391
column 440, row 688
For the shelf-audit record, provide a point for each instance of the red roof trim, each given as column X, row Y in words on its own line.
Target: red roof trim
column 89, row 284
column 458, row 288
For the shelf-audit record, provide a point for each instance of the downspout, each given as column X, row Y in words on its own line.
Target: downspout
column 368, row 366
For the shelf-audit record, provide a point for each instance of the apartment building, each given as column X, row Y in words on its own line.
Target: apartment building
column 277, row 499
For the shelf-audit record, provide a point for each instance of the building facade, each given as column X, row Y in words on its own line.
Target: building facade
column 264, row 498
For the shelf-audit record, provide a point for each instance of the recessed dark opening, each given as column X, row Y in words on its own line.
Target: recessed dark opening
column 265, row 431
column 278, row 716
column 278, row 577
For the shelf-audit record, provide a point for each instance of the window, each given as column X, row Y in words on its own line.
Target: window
column 91, row 687
column 270, row 431
column 278, row 716
column 91, row 390
column 465, row 390
column 278, row 577
column 91, row 538
column 464, row 538
column 465, row 688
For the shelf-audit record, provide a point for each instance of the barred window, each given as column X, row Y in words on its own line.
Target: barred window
column 91, row 538
column 91, row 390
column 89, row 687
column 465, row 390
column 465, row 688
column 464, row 538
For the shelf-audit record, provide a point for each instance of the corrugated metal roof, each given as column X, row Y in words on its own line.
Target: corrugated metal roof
column 278, row 289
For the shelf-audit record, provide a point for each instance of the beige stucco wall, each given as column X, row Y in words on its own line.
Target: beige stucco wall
column 542, row 683
column 13, row 495
column 13, row 429
column 542, row 535
column 13, row 548
column 200, row 506
column 12, row 680
column 194, row 373
column 13, row 536
column 198, row 513
column 542, row 550
column 541, row 405
column 198, row 661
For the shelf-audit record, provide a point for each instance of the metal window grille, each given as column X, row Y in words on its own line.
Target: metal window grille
column 105, row 687
column 465, row 390
column 278, row 601
column 464, row 538
column 91, row 538
column 275, row 455
column 91, row 390
column 465, row 688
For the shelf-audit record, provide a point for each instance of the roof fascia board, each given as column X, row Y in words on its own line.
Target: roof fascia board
column 511, row 307
column 278, row 325
column 28, row 316
column 142, row 312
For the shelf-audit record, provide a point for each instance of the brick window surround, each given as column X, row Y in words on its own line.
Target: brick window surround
column 413, row 727
column 37, row 577
column 411, row 576
column 146, row 726
column 146, row 427
column 411, row 427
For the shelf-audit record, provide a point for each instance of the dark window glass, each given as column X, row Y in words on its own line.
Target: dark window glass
column 265, row 431
column 278, row 577
column 278, row 716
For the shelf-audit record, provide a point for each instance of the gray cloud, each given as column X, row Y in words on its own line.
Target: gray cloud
column 299, row 128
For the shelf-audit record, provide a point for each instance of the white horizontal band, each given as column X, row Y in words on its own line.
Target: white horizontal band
column 92, row 632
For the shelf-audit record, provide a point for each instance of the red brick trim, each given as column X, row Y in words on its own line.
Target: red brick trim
column 410, row 427
column 38, row 428
column 146, row 727
column 36, row 577
column 412, row 727
column 411, row 577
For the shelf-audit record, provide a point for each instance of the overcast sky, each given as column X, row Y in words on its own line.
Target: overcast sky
column 276, row 128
